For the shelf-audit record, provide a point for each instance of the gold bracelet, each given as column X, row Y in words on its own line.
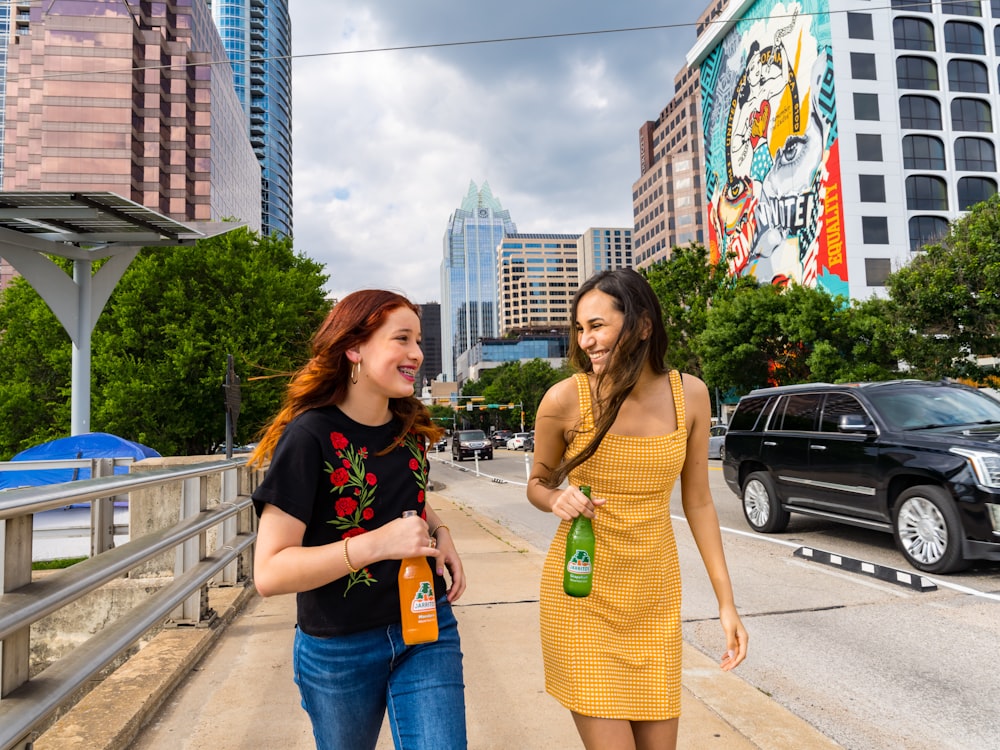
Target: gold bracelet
column 347, row 559
column 438, row 528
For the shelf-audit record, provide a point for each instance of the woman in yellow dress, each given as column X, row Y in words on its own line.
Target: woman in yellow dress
column 628, row 427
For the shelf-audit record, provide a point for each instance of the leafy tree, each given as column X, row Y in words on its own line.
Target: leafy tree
column 513, row 382
column 35, row 363
column 686, row 284
column 774, row 336
column 159, row 349
column 945, row 302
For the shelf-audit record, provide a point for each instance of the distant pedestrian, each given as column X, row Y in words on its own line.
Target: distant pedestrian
column 627, row 427
column 347, row 457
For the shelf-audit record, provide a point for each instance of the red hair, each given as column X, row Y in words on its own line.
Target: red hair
column 323, row 379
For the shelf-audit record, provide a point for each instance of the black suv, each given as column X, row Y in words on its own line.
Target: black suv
column 915, row 458
column 467, row 443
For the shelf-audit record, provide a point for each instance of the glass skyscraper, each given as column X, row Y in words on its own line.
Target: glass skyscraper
column 257, row 35
column 469, row 273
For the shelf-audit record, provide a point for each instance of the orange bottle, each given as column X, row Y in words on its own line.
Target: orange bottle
column 417, row 605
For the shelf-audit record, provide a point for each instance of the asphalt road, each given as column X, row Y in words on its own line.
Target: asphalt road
column 871, row 664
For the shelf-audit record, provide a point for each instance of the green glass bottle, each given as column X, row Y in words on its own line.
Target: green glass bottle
column 578, row 567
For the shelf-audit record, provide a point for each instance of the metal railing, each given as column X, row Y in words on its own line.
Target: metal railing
column 27, row 704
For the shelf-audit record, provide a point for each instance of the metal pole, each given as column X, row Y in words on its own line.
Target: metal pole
column 80, row 397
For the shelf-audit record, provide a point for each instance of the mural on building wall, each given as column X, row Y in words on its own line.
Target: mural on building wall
column 770, row 124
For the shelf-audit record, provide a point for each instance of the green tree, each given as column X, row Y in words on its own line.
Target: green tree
column 686, row 284
column 944, row 303
column 159, row 348
column 513, row 383
column 35, row 362
column 775, row 336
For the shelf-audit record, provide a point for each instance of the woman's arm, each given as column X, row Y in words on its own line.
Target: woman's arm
column 556, row 416
column 283, row 566
column 699, row 509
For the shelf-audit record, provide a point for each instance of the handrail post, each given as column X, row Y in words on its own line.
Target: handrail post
column 194, row 500
column 102, row 511
column 15, row 571
column 229, row 489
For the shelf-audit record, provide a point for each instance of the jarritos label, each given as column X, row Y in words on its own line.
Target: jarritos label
column 423, row 598
column 579, row 563
column 771, row 141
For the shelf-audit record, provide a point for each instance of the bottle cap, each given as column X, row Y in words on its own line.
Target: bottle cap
column 408, row 513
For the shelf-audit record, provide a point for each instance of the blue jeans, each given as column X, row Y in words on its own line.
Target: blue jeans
column 347, row 682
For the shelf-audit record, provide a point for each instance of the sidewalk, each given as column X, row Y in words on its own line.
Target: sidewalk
column 236, row 691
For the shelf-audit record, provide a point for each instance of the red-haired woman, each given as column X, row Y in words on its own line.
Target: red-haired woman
column 347, row 457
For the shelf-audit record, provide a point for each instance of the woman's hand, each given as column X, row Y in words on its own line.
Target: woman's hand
column 570, row 503
column 736, row 638
column 448, row 558
column 401, row 538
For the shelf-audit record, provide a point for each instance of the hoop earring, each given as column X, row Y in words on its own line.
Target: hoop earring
column 355, row 371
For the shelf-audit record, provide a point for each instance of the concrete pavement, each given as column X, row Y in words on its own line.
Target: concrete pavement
column 192, row 688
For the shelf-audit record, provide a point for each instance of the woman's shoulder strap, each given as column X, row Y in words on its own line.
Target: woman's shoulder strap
column 586, row 405
column 677, row 389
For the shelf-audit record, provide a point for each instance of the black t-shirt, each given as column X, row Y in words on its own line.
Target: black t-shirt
column 326, row 472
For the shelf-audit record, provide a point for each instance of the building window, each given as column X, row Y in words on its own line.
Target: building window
column 869, row 147
column 859, row 26
column 919, row 112
column 866, row 106
column 969, row 76
column 971, row 114
column 975, row 155
column 877, row 270
column 863, row 66
column 961, row 8
column 973, row 190
column 872, row 188
column 913, row 33
column 923, row 152
column 916, row 73
column 875, row 230
column 913, row 6
column 964, row 38
column 926, row 193
column 925, row 230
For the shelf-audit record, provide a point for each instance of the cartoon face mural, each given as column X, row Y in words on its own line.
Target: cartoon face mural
column 769, row 119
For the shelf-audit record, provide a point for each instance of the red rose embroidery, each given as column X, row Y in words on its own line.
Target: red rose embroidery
column 338, row 440
column 413, row 464
column 346, row 505
column 363, row 452
column 420, row 496
column 351, row 532
column 370, row 478
column 340, row 477
column 368, row 514
column 346, row 463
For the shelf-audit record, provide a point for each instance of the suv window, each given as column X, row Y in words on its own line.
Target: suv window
column 838, row 405
column 746, row 415
column 467, row 435
column 797, row 412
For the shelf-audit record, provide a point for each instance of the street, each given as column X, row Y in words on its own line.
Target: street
column 871, row 664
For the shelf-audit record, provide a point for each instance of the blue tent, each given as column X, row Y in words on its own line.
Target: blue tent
column 88, row 445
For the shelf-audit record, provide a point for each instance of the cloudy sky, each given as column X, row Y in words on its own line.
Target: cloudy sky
column 386, row 143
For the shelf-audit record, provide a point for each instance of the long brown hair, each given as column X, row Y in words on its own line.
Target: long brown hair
column 635, row 299
column 323, row 379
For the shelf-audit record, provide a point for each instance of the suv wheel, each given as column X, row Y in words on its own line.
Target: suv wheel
column 928, row 531
column 760, row 505
column 722, row 453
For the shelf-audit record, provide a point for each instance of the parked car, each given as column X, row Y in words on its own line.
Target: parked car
column 717, row 441
column 920, row 460
column 500, row 437
column 522, row 441
column 441, row 445
column 467, row 443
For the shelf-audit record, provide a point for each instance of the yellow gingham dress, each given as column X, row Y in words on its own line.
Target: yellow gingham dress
column 616, row 654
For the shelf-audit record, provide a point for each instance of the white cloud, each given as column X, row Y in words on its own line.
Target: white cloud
column 385, row 143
